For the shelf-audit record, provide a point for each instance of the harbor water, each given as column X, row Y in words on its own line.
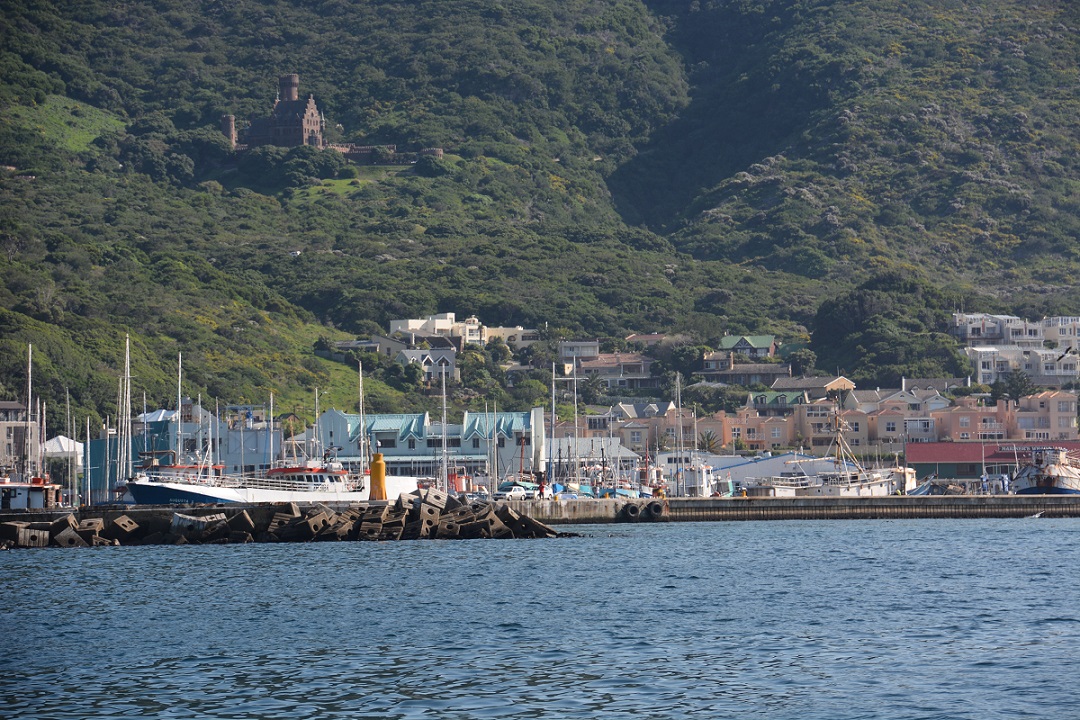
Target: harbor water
column 789, row 619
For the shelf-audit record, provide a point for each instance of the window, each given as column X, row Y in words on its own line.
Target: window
column 965, row 421
column 776, row 433
column 387, row 442
column 965, row 436
column 736, row 432
column 1064, row 406
column 635, row 436
column 854, row 427
column 412, row 444
column 476, row 443
column 890, row 426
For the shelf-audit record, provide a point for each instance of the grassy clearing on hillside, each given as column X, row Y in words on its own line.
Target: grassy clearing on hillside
column 66, row 123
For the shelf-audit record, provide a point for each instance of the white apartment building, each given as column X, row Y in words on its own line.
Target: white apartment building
column 1042, row 365
column 1062, row 330
column 980, row 329
column 445, row 324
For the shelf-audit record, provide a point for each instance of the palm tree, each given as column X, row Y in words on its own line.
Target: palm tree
column 708, row 442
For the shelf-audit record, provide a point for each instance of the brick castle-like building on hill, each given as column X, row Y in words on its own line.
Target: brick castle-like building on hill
column 291, row 122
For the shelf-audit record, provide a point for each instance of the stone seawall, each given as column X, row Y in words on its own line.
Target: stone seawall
column 576, row 512
column 811, row 508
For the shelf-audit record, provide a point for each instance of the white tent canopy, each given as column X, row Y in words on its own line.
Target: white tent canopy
column 64, row 448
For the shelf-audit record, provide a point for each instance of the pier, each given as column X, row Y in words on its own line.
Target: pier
column 554, row 512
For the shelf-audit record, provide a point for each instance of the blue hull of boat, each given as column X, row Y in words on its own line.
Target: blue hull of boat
column 1047, row 491
column 150, row 495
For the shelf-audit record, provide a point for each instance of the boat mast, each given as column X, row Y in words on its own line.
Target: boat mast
column 217, row 422
column 679, row 443
column 270, row 434
column 576, row 459
column 27, row 473
column 363, row 422
column 444, row 477
column 318, row 426
column 69, row 481
column 126, row 410
column 179, row 380
column 86, row 461
column 551, row 445
column 203, row 466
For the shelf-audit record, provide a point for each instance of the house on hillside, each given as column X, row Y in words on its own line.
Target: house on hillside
column 754, row 347
column 748, row 374
column 620, row 371
column 816, row 388
column 773, row 403
column 435, row 362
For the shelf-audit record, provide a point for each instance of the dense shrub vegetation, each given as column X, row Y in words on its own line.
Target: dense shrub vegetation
column 855, row 170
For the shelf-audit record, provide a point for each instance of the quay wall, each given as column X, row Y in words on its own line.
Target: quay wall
column 588, row 511
column 810, row 508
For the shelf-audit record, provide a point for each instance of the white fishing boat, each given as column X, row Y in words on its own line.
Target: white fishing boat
column 298, row 479
column 310, row 481
column 1052, row 471
column 845, row 478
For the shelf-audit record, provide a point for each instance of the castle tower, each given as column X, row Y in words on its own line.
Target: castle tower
column 228, row 129
column 289, row 87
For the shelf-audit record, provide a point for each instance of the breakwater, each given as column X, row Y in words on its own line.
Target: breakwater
column 391, row 520
column 429, row 514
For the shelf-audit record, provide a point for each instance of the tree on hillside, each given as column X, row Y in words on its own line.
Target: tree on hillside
column 803, row 362
column 1013, row 385
column 891, row 326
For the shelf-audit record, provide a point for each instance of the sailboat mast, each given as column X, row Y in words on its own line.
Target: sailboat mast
column 270, row 433
column 27, row 473
column 679, row 445
column 363, row 423
column 126, row 410
column 444, row 474
column 179, row 380
column 86, row 463
column 551, row 460
column 574, row 454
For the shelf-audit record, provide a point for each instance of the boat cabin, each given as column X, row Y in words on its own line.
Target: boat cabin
column 38, row 494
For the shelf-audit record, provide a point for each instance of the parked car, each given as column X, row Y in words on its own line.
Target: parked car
column 512, row 492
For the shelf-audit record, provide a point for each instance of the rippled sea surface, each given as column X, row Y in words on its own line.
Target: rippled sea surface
column 840, row 619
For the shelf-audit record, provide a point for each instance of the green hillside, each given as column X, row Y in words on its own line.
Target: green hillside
column 610, row 167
